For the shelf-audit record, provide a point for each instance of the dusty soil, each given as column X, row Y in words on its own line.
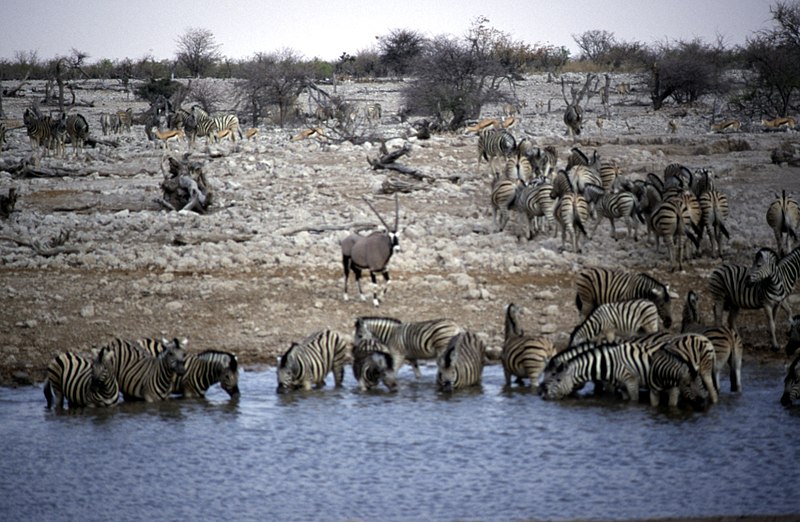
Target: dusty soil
column 247, row 277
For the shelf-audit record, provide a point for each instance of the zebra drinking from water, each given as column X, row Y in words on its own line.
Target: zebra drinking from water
column 205, row 369
column 622, row 318
column 307, row 363
column 83, row 382
column 523, row 356
column 461, row 364
column 372, row 361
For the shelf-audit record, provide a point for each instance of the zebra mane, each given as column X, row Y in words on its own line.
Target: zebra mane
column 232, row 363
column 379, row 318
column 448, row 355
column 655, row 284
column 284, row 358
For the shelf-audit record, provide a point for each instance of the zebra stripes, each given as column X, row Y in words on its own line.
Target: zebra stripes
column 206, row 369
column 78, row 131
column 698, row 351
column 597, row 285
column 147, row 370
column 523, row 356
column 791, row 383
column 622, row 318
column 461, row 364
column 504, row 192
column 714, row 211
column 669, row 221
column 307, row 363
column 45, row 133
column 621, row 205
column 124, row 119
column 671, row 374
column 372, row 361
column 571, row 213
column 534, row 204
column 783, row 217
column 495, row 143
column 83, row 382
column 209, row 126
column 109, row 123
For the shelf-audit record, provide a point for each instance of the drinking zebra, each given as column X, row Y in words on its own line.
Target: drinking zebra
column 698, row 352
column 307, row 363
column 206, row 369
column 372, row 361
column 412, row 341
column 621, row 318
column 461, row 364
column 83, row 382
column 523, row 356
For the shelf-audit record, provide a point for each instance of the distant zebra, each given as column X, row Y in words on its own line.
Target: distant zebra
column 78, row 131
column 714, row 211
column 493, row 144
column 544, row 162
column 45, row 132
column 373, row 112
column 83, row 382
column 573, row 119
column 109, row 123
column 783, row 217
column 205, row 369
column 504, row 192
column 143, row 375
column 523, row 356
column 307, row 363
column 414, row 341
column 791, row 383
column 766, row 284
column 622, row 318
column 461, row 364
column 534, row 204
column 208, row 126
column 571, row 212
column 372, row 361
column 125, row 119
column 698, row 351
column 596, row 285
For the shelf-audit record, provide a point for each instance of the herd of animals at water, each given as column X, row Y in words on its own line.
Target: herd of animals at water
column 622, row 346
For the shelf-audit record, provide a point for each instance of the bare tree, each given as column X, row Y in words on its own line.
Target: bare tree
column 197, row 50
column 685, row 71
column 595, row 44
column 274, row 79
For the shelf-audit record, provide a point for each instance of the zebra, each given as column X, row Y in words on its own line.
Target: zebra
column 83, row 382
column 205, row 369
column 670, row 373
column 78, row 130
column 621, row 205
column 504, row 192
column 523, row 356
column 544, row 162
column 597, row 285
column 518, row 167
column 534, row 204
column 124, row 119
column 44, row 132
column 669, row 221
column 373, row 112
column 147, row 370
column 714, row 211
column 783, row 217
column 698, row 351
column 622, row 318
column 571, row 212
column 766, row 284
column 209, row 126
column 494, row 143
column 609, row 171
column 461, row 364
column 791, row 383
column 414, row 341
column 109, row 123
column 308, row 362
column 373, row 362
column 578, row 157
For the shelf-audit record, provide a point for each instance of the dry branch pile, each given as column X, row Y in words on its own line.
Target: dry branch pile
column 185, row 186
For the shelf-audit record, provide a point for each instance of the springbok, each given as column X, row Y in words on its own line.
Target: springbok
column 734, row 125
column 372, row 253
column 313, row 132
column 779, row 122
column 484, row 123
column 251, row 133
column 169, row 135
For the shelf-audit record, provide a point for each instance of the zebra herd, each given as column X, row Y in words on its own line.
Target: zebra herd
column 144, row 370
column 47, row 133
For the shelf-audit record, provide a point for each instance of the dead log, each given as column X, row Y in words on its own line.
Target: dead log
column 388, row 161
column 185, row 186
column 392, row 185
column 52, row 247
column 318, row 229
column 13, row 92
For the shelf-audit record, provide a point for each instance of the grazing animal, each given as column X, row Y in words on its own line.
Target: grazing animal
column 672, row 125
column 461, row 364
column 725, row 125
column 596, row 286
column 251, row 133
column 372, row 253
column 483, row 124
column 791, row 384
column 83, row 382
column 765, row 285
column 307, row 363
column 373, row 362
column 374, row 111
column 45, row 132
column 523, row 356
column 621, row 318
column 208, row 126
column 413, row 341
column 494, row 144
column 168, row 136
column 313, row 132
column 783, row 217
column 204, row 370
column 776, row 123
column 109, row 123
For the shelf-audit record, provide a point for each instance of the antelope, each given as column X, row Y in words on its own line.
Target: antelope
column 673, row 126
column 372, row 253
column 169, row 135
column 779, row 122
column 734, row 125
column 509, row 122
column 251, row 133
column 312, row 132
column 623, row 88
column 486, row 122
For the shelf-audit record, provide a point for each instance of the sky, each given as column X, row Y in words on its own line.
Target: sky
column 326, row 28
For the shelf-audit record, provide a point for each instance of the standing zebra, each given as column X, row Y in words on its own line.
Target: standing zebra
column 596, row 285
column 373, row 112
column 372, row 361
column 144, row 376
column 308, row 362
column 109, row 123
column 714, row 211
column 81, row 381
column 504, row 192
column 783, row 217
column 209, row 126
column 78, row 131
column 622, row 318
column 124, row 119
column 698, row 352
column 205, row 369
column 495, row 143
column 534, row 204
column 571, row 212
column 766, row 284
column 45, row 132
column 669, row 221
column 413, row 341
column 523, row 356
column 620, row 205
column 461, row 364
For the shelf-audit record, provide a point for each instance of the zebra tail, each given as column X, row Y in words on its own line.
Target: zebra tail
column 579, row 225
column 48, row 393
column 724, row 230
column 694, row 239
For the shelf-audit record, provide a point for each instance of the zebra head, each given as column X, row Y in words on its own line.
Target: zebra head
column 288, row 370
column 229, row 379
column 764, row 265
column 791, row 384
column 558, row 384
column 102, row 368
column 447, row 374
column 174, row 354
column 379, row 367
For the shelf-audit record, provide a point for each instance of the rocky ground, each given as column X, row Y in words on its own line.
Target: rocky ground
column 263, row 267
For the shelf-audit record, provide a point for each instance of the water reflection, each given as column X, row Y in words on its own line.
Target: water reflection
column 488, row 453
